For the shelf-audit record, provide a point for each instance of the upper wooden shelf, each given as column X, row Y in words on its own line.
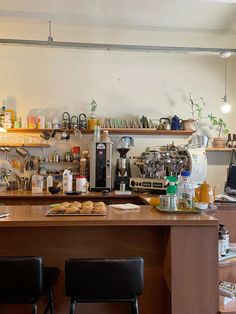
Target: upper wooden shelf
column 24, row 145
column 135, row 131
column 223, row 149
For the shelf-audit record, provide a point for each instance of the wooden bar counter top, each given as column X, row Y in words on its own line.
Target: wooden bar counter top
column 180, row 254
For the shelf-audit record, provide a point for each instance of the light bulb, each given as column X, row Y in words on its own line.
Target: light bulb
column 225, row 107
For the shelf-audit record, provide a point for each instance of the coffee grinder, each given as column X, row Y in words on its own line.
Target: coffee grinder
column 123, row 171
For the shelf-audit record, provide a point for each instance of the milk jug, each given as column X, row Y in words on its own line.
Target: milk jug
column 67, row 181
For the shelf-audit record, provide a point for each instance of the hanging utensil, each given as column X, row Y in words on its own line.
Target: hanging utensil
column 66, row 121
column 82, row 122
column 74, row 122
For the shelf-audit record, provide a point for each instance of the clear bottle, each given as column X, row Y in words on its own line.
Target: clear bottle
column 49, row 181
column 185, row 191
column 221, row 246
column 2, row 115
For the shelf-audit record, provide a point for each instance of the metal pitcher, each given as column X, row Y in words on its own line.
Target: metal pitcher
column 164, row 124
column 56, row 156
column 66, row 121
column 82, row 122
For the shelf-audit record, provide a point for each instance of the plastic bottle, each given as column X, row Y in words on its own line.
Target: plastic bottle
column 225, row 236
column 49, row 181
column 2, row 115
column 10, row 113
column 171, row 192
column 185, row 191
column 221, row 247
column 67, row 181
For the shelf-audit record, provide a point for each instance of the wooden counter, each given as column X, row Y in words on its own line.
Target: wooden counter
column 180, row 254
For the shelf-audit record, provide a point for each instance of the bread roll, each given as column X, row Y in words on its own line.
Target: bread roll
column 86, row 210
column 72, row 210
column 100, row 210
column 57, row 209
column 75, row 203
column 65, row 204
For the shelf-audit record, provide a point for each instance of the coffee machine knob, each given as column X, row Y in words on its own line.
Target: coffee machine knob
column 132, row 183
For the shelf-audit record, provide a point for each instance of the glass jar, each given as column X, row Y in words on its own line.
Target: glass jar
column 37, row 183
column 3, row 184
column 92, row 121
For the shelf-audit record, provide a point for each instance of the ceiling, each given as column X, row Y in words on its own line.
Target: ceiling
column 165, row 15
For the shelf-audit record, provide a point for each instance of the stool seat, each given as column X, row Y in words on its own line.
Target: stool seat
column 104, row 280
column 24, row 279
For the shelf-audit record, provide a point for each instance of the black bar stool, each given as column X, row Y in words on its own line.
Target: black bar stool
column 104, row 280
column 24, row 279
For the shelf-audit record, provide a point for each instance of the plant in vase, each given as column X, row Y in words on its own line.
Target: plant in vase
column 92, row 121
column 221, row 126
column 196, row 107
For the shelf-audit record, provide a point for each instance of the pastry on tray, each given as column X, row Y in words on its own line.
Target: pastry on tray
column 75, row 203
column 66, row 204
column 72, row 210
column 59, row 209
column 100, row 208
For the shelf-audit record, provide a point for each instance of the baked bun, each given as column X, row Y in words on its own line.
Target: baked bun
column 86, row 210
column 72, row 210
column 100, row 210
column 87, row 207
column 88, row 203
column 99, row 204
column 65, row 204
column 59, row 209
column 75, row 203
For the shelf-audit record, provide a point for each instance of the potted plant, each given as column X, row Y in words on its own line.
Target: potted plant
column 219, row 123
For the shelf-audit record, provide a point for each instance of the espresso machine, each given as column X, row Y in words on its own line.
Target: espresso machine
column 158, row 162
column 100, row 166
column 123, row 171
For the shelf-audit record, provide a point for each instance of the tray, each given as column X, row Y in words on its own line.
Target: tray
column 179, row 211
column 65, row 214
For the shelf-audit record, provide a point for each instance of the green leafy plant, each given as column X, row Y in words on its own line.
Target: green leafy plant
column 218, row 123
column 93, row 106
column 196, row 105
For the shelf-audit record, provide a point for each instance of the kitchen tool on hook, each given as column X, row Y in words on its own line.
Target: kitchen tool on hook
column 66, row 121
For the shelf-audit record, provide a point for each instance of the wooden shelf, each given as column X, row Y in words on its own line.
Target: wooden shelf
column 60, row 162
column 223, row 149
column 24, row 145
column 21, row 130
column 134, row 131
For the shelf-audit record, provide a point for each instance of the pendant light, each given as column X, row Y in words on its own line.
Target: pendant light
column 225, row 106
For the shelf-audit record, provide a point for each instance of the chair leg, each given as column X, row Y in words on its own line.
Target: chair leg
column 50, row 304
column 134, row 306
column 72, row 306
column 34, row 308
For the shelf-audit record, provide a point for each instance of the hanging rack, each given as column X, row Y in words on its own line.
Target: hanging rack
column 50, row 43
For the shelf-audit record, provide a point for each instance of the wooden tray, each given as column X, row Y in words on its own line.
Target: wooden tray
column 179, row 211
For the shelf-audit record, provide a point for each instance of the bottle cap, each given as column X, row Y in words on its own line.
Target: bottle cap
column 185, row 173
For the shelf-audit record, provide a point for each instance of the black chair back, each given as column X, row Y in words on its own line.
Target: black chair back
column 113, row 278
column 21, row 277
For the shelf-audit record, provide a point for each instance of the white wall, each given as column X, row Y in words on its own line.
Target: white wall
column 50, row 81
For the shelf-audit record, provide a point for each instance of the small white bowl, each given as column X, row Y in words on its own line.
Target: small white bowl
column 201, row 205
